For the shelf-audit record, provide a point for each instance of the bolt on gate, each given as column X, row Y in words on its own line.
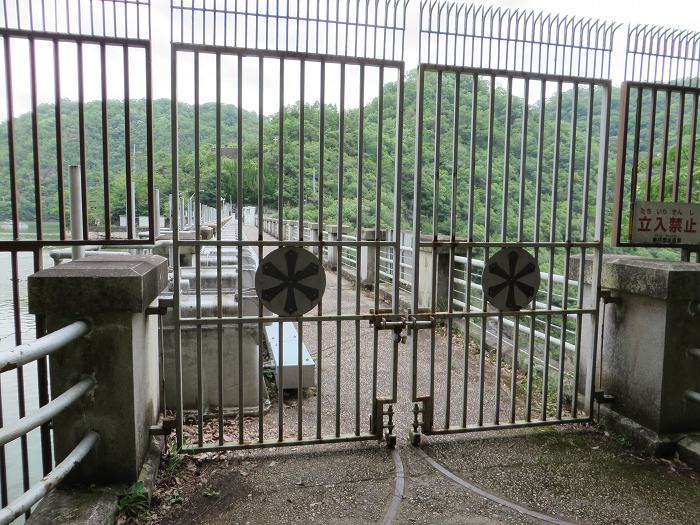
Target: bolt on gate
column 334, row 58
column 511, row 151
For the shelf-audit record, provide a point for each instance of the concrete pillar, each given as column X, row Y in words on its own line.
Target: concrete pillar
column 368, row 269
column 649, row 332
column 313, row 236
column 121, row 352
column 333, row 251
column 428, row 266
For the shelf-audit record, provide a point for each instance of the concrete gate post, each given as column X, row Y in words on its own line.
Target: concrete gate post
column 333, row 251
column 313, row 236
column 368, row 269
column 428, row 267
column 651, row 330
column 121, row 352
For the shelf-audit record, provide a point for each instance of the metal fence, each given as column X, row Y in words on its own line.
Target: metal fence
column 658, row 126
column 108, row 40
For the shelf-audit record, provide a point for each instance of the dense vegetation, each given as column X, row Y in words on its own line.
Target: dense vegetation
column 561, row 198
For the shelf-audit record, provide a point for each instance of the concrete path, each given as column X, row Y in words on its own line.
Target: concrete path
column 571, row 474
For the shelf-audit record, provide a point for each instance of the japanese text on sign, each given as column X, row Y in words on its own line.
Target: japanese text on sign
column 665, row 223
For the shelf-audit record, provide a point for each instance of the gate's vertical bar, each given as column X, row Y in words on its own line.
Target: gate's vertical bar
column 149, row 135
column 453, row 229
column 321, row 229
column 417, row 184
column 339, row 273
column 219, row 291
column 280, row 237
column 520, row 236
column 239, row 238
column 130, row 212
column 59, row 141
column 261, row 203
column 175, row 184
column 398, row 175
column 302, row 80
column 358, row 233
column 198, row 250
column 42, row 383
column 17, row 315
column 83, row 145
column 569, row 213
column 504, row 238
column 650, row 144
column 536, row 239
column 635, row 149
column 487, row 237
column 552, row 249
column 599, row 229
column 435, row 227
column 105, row 139
column 691, row 152
column 664, row 143
column 38, row 212
column 584, row 237
column 470, row 238
column 377, row 216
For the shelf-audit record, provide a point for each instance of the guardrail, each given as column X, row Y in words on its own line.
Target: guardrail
column 22, row 355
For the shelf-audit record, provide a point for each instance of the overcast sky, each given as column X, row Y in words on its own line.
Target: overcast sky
column 683, row 14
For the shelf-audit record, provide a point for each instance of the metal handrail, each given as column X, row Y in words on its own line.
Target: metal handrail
column 46, row 412
column 17, row 357
column 40, row 489
column 23, row 354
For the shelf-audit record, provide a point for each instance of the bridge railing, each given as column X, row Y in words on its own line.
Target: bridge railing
column 20, row 356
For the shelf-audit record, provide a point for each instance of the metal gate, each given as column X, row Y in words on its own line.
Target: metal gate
column 331, row 161
column 511, row 150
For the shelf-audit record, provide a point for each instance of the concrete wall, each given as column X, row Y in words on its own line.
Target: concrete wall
column 644, row 340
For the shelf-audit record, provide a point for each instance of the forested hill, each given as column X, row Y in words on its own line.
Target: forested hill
column 162, row 155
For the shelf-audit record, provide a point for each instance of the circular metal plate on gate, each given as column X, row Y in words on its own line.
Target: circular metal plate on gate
column 290, row 281
column 510, row 279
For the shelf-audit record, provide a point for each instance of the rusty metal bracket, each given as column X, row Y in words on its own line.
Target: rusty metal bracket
column 383, row 431
column 424, row 424
column 607, row 297
column 162, row 308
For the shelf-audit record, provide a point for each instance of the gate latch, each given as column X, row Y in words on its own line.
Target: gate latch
column 413, row 323
column 385, row 319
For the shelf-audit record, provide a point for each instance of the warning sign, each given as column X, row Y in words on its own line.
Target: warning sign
column 665, row 223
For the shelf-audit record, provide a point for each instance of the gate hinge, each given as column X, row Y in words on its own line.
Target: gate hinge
column 607, row 297
column 162, row 308
column 601, row 397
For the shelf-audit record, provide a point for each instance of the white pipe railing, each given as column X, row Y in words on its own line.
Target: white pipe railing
column 40, row 489
column 19, row 356
column 26, row 353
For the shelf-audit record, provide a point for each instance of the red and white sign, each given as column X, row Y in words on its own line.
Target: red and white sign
column 665, row 223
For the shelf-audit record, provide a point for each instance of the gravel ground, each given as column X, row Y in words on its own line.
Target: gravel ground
column 574, row 473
